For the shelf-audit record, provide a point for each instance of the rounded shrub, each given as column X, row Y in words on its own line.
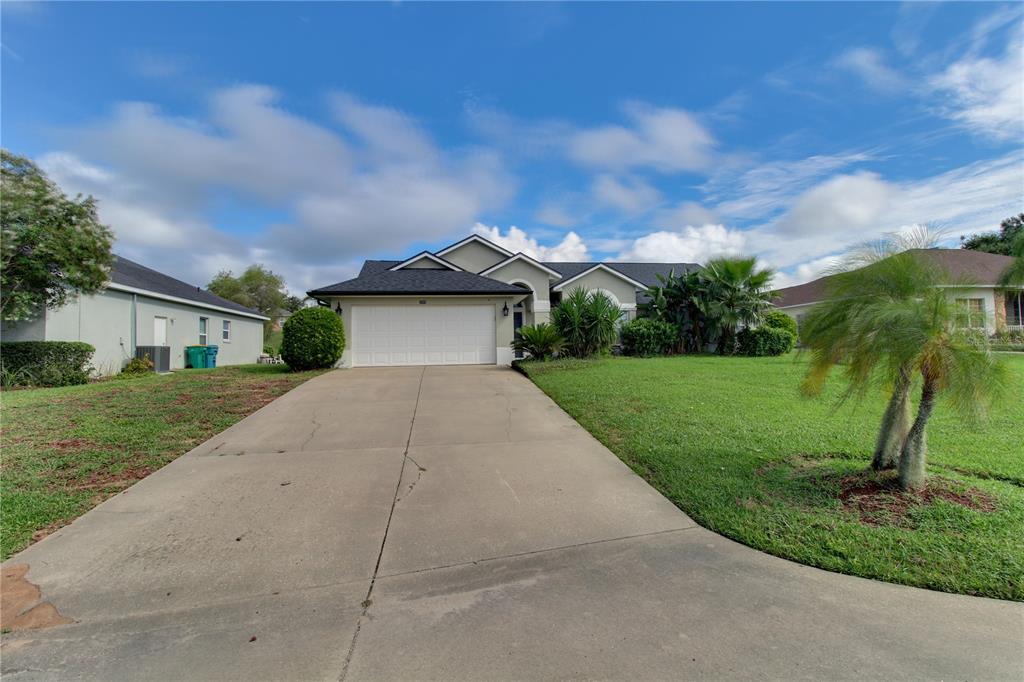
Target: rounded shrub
column 313, row 338
column 646, row 337
column 764, row 341
column 779, row 320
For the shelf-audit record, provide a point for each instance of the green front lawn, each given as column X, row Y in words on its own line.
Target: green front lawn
column 65, row 450
column 733, row 444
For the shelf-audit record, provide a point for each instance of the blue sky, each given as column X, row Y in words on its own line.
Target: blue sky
column 311, row 136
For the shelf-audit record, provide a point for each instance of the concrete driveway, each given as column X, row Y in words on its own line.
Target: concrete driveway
column 454, row 523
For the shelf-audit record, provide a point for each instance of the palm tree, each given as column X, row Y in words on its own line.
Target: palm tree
column 737, row 294
column 679, row 300
column 950, row 360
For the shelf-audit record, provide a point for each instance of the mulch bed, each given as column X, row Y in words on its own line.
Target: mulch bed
column 877, row 499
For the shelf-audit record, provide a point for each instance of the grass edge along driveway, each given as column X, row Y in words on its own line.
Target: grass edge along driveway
column 732, row 443
column 65, row 450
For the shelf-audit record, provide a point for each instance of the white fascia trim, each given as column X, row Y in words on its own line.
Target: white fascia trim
column 185, row 301
column 795, row 305
column 521, row 256
column 600, row 266
column 475, row 238
column 421, row 256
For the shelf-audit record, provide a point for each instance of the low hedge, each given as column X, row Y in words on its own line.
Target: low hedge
column 45, row 363
column 646, row 337
column 764, row 341
column 313, row 338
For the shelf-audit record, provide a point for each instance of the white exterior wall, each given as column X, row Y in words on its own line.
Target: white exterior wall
column 245, row 346
column 503, row 328
column 987, row 294
column 104, row 321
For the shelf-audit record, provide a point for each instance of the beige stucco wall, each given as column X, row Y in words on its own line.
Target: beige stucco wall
column 538, row 309
column 503, row 329
column 607, row 282
column 474, row 256
column 426, row 264
column 103, row 321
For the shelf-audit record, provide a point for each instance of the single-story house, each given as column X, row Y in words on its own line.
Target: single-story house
column 463, row 303
column 973, row 280
column 142, row 307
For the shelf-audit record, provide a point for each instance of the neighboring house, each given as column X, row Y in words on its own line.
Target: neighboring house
column 463, row 304
column 142, row 307
column 973, row 276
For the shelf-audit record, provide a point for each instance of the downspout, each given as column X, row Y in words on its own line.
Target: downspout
column 134, row 325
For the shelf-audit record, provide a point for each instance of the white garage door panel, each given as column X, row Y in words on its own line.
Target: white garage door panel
column 423, row 335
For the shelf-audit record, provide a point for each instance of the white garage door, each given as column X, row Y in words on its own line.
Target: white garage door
column 423, row 335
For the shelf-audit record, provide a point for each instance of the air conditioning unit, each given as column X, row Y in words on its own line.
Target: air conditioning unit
column 159, row 355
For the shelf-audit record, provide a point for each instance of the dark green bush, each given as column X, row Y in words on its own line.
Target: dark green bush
column 313, row 338
column 766, row 341
column 45, row 363
column 646, row 337
column 779, row 320
column 587, row 321
column 138, row 366
column 539, row 341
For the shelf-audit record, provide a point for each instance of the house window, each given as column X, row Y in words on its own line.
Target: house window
column 972, row 312
column 1015, row 309
column 203, row 324
column 225, row 334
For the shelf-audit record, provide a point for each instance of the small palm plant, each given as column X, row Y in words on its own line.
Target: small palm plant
column 587, row 321
column 737, row 294
column 540, row 341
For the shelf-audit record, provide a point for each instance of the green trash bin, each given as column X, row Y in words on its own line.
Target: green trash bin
column 195, row 356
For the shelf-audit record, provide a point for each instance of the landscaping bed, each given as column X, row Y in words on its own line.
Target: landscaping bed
column 733, row 444
column 65, row 450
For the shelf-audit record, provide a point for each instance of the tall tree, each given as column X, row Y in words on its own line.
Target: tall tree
column 257, row 288
column 1013, row 275
column 53, row 247
column 1000, row 242
column 737, row 295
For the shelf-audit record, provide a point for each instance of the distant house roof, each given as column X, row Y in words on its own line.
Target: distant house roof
column 133, row 276
column 379, row 280
column 962, row 265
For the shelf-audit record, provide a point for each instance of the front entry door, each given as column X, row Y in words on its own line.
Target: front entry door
column 517, row 322
column 159, row 331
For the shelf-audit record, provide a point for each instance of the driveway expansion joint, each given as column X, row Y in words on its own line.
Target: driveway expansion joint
column 368, row 602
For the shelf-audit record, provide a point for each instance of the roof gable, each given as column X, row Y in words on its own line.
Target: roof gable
column 598, row 267
column 475, row 238
column 522, row 257
column 420, row 258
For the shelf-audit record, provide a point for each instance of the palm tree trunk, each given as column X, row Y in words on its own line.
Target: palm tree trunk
column 895, row 425
column 915, row 449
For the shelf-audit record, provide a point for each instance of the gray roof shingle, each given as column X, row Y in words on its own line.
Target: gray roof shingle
column 645, row 273
column 378, row 280
column 131, row 274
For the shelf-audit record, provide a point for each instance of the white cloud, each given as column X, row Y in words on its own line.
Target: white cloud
column 571, row 248
column 690, row 245
column 632, row 196
column 380, row 183
column 987, row 94
column 667, row 140
column 805, row 272
column 843, row 203
column 869, row 64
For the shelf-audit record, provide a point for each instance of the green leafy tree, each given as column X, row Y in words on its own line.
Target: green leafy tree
column 257, row 288
column 680, row 301
column 1013, row 275
column 53, row 247
column 1000, row 242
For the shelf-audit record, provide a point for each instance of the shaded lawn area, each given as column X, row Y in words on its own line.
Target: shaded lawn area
column 732, row 443
column 65, row 450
